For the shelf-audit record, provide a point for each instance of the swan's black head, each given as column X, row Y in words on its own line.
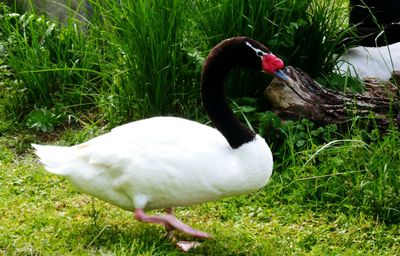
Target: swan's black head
column 245, row 52
column 240, row 52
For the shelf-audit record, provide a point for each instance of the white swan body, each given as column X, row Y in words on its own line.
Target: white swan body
column 180, row 163
column 370, row 61
column 164, row 162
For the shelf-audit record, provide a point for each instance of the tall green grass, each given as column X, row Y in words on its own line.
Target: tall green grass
column 347, row 169
column 326, row 168
column 136, row 59
column 310, row 42
column 152, row 74
column 50, row 65
column 261, row 20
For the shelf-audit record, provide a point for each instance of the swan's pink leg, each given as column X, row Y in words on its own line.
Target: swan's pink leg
column 170, row 223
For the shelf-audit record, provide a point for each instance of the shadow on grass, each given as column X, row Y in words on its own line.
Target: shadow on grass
column 145, row 239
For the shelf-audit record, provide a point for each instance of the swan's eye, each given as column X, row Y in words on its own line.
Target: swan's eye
column 259, row 53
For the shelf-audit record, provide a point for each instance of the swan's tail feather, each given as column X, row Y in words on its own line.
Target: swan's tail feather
column 53, row 157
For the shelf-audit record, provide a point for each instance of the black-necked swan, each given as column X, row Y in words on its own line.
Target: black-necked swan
column 165, row 162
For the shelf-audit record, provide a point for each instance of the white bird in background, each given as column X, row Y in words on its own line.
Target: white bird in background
column 166, row 162
column 366, row 62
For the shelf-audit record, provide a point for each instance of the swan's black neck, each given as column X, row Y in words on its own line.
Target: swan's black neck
column 226, row 55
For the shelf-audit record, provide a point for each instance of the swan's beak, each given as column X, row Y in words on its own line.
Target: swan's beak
column 279, row 73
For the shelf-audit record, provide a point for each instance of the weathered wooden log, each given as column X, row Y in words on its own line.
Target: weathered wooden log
column 303, row 97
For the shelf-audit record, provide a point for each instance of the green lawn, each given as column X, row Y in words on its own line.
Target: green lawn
column 42, row 214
